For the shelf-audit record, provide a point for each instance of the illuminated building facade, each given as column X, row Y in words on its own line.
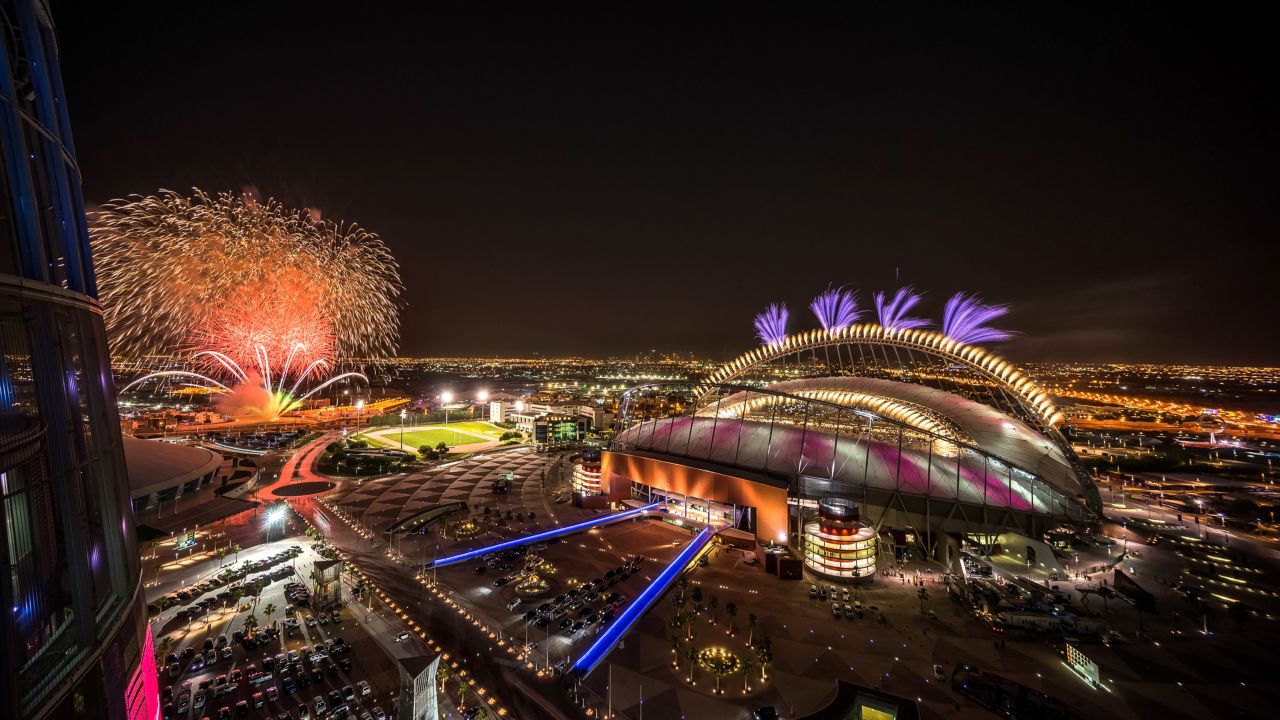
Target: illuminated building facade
column 75, row 639
column 586, row 473
column 836, row 544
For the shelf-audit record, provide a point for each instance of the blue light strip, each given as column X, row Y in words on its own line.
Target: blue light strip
column 463, row 557
column 618, row 627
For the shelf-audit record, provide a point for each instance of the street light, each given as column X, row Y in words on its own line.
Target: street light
column 402, row 415
column 446, row 397
column 359, row 408
column 482, row 397
column 275, row 516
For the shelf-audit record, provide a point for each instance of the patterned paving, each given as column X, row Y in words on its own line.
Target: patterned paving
column 383, row 502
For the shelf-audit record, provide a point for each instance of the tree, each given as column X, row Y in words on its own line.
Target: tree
column 251, row 623
column 235, row 548
column 222, row 553
column 237, row 595
column 442, row 447
column 162, row 648
column 721, row 664
column 442, row 676
column 691, row 654
column 764, row 653
column 696, row 594
column 462, row 693
column 713, row 604
column 425, row 450
column 692, row 618
column 675, row 647
column 748, row 665
column 731, row 609
column 751, row 623
column 268, row 611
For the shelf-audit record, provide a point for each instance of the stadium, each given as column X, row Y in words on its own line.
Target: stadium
column 851, row 447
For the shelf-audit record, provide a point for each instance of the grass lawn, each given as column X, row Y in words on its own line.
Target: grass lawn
column 479, row 428
column 417, row 439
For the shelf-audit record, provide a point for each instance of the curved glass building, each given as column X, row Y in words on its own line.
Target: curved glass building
column 74, row 634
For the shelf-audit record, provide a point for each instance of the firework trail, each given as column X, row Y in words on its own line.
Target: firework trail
column 836, row 309
column 893, row 311
column 258, row 295
column 168, row 263
column 965, row 320
column 771, row 325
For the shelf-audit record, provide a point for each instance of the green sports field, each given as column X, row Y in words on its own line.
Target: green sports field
column 462, row 433
column 479, row 428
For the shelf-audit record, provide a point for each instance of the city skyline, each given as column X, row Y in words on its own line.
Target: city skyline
column 1109, row 184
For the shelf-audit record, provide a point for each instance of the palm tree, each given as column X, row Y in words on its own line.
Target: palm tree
column 691, row 654
column 692, row 617
column 462, row 693
column 713, row 604
column 237, row 595
column 162, row 648
column 748, row 665
column 764, row 653
column 235, row 548
column 675, row 649
column 268, row 611
column 751, row 623
column 222, row 553
column 251, row 623
column 731, row 609
column 442, row 676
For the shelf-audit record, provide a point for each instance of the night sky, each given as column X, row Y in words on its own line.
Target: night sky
column 564, row 182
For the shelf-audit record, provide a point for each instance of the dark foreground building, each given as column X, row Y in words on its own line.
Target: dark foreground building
column 74, row 633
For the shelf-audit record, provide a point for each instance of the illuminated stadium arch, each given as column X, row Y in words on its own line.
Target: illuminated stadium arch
column 967, row 370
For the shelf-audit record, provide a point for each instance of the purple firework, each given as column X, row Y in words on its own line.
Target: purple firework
column 893, row 312
column 965, row 320
column 835, row 309
column 771, row 325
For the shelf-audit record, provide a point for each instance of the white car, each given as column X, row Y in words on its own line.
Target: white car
column 403, row 636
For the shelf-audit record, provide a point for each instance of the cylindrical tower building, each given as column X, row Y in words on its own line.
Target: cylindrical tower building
column 586, row 473
column 837, row 545
column 75, row 640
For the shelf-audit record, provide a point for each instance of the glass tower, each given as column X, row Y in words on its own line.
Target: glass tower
column 75, row 640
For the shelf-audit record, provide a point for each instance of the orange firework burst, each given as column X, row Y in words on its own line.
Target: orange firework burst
column 263, row 298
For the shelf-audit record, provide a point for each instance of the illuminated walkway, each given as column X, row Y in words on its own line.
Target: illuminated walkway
column 546, row 535
column 616, row 629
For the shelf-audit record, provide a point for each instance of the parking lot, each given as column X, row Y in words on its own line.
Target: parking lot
column 588, row 579
column 299, row 662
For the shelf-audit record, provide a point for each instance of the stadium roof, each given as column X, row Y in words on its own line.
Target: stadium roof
column 991, row 459
column 154, row 465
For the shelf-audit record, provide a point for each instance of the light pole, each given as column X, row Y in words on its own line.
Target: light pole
column 402, row 415
column 359, row 409
column 446, row 397
column 482, row 397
